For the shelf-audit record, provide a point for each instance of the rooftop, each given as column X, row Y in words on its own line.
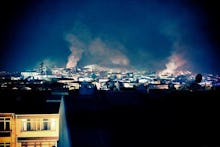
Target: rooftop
column 27, row 102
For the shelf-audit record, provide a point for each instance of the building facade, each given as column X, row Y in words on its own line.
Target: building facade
column 7, row 130
column 29, row 130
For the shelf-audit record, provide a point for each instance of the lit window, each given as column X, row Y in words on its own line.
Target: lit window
column 38, row 124
column 29, row 125
column 24, row 124
column 53, row 124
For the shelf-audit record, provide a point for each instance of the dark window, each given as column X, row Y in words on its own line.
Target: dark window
column 4, row 124
column 7, row 126
column 28, row 125
column 1, row 126
column 45, row 124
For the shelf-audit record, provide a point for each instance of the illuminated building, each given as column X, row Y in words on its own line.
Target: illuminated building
column 24, row 130
column 29, row 122
column 40, row 130
column 7, row 130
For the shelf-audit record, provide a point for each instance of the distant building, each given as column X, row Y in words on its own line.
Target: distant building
column 27, row 74
column 87, row 88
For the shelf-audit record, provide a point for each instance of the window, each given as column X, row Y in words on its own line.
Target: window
column 38, row 144
column 4, row 124
column 46, row 124
column 24, row 124
column 4, row 144
column 5, row 127
column 29, row 125
column 49, row 124
column 38, row 124
column 53, row 124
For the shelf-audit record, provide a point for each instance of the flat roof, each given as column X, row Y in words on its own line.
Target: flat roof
column 27, row 102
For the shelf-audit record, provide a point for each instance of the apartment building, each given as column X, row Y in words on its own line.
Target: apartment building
column 37, row 130
column 7, row 130
column 27, row 121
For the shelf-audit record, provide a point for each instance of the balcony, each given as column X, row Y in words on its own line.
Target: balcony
column 5, row 133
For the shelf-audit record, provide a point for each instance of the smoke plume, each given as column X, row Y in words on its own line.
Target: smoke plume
column 106, row 55
column 174, row 64
column 76, row 49
column 94, row 51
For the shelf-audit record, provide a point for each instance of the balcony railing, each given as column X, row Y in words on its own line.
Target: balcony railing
column 5, row 133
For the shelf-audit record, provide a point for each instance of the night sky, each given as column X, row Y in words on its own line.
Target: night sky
column 123, row 33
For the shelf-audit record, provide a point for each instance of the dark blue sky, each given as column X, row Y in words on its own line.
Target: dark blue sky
column 131, row 33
